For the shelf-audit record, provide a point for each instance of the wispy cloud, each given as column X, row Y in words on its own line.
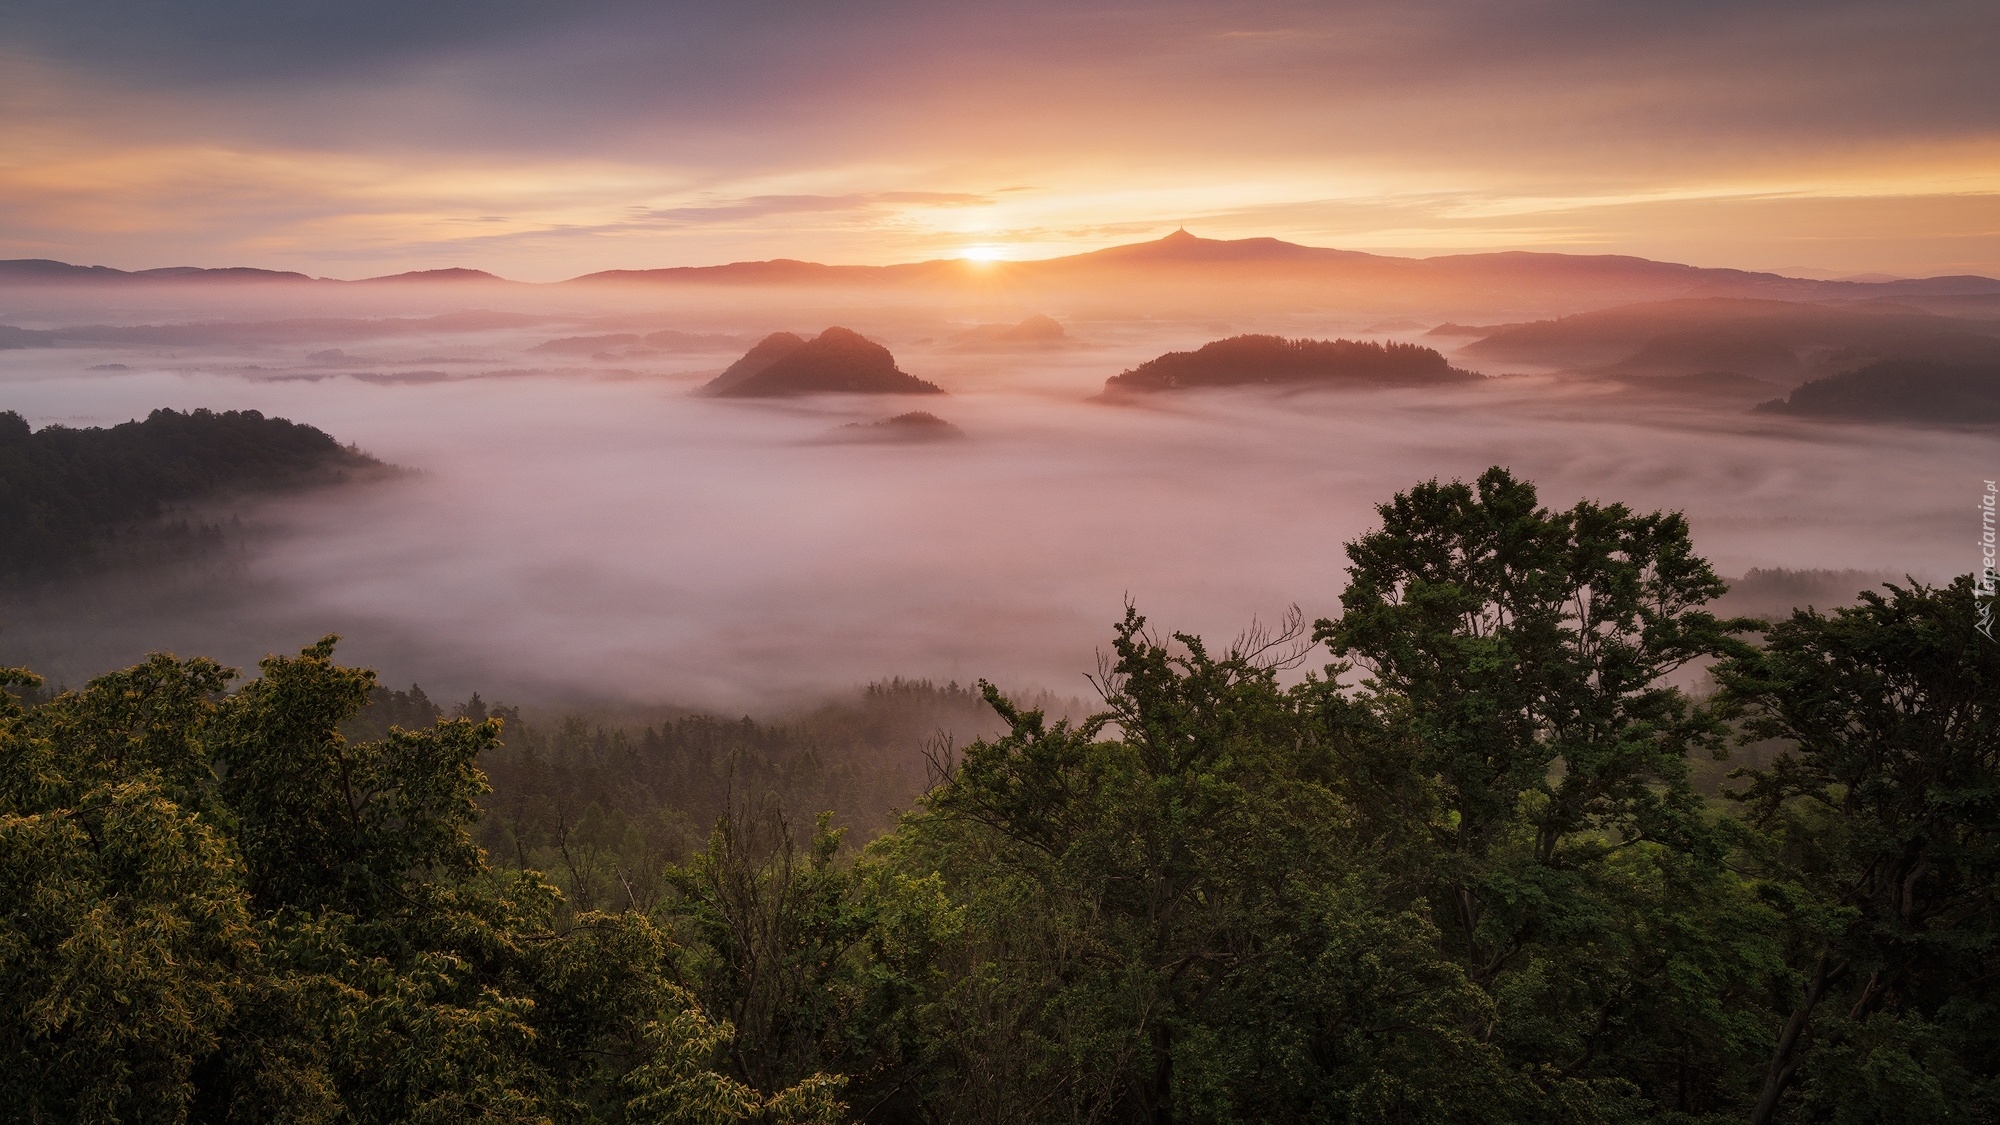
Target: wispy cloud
column 610, row 133
column 761, row 206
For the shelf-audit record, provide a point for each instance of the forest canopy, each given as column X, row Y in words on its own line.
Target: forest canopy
column 66, row 494
column 1466, row 871
column 1242, row 360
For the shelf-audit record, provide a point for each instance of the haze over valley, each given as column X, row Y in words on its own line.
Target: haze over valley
column 1101, row 562
column 590, row 514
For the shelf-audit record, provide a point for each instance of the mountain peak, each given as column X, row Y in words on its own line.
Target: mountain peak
column 838, row 360
column 455, row 273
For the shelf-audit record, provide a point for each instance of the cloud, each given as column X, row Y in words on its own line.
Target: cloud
column 761, row 206
column 716, row 132
column 616, row 536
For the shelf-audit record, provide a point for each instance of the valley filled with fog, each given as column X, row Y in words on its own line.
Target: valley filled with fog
column 576, row 524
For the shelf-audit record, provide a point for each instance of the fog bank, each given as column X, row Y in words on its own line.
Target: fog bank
column 581, row 526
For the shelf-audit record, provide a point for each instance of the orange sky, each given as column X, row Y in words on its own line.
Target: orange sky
column 542, row 141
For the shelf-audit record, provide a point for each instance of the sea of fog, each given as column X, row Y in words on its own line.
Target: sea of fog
column 577, row 527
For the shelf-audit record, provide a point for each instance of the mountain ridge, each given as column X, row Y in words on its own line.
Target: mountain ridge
column 1178, row 253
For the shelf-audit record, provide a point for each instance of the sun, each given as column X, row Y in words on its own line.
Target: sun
column 984, row 252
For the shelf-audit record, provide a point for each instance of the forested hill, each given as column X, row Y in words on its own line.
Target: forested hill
column 1473, row 884
column 66, row 495
column 1242, row 360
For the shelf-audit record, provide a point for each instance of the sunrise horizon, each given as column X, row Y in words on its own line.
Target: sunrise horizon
column 1058, row 562
column 1003, row 255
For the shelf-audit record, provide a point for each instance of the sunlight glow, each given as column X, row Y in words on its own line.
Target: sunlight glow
column 983, row 253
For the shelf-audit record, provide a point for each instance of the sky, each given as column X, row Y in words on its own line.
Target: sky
column 541, row 139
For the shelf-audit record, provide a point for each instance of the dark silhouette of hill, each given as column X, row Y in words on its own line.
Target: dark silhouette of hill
column 1036, row 332
column 837, row 361
column 588, row 345
column 44, row 271
column 1901, row 390
column 72, row 494
column 762, row 354
column 914, row 427
column 1773, row 592
column 1263, row 269
column 1244, row 360
column 1782, row 341
column 1274, row 269
column 301, row 330
column 455, row 274
column 11, row 337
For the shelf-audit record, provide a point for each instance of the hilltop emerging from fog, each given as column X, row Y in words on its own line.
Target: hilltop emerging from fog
column 837, row 361
column 75, row 495
column 1272, row 360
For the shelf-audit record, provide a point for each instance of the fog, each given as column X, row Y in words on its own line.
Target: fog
column 577, row 525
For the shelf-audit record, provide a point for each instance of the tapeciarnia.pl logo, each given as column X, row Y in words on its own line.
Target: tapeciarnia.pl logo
column 1985, row 586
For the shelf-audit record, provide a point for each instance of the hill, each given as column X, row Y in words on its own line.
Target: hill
column 302, row 330
column 1034, row 333
column 1901, row 390
column 915, row 427
column 837, row 361
column 72, row 494
column 1245, row 360
column 1269, row 272
column 42, row 271
column 1276, row 273
column 1782, row 341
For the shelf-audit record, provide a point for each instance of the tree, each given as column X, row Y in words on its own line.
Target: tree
column 1169, row 923
column 125, row 934
column 1531, row 763
column 215, row 907
column 1880, row 837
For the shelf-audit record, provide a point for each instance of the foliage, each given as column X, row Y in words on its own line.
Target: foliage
column 1243, row 360
column 215, row 907
column 1473, row 884
column 1879, row 832
column 68, row 494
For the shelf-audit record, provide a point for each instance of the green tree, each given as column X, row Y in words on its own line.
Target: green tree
column 125, row 934
column 1879, row 835
column 215, row 907
column 1168, row 923
column 1530, row 775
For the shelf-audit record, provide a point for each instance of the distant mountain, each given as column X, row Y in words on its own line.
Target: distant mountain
column 1036, row 332
column 1259, row 270
column 1270, row 269
column 837, row 361
column 304, row 330
column 1245, row 360
column 1782, row 341
column 1902, row 390
column 42, row 271
column 445, row 275
column 917, row 426
column 12, row 337
column 589, row 345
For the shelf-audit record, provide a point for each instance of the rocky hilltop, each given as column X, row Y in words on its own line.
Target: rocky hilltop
column 1247, row 360
column 837, row 361
column 913, row 427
